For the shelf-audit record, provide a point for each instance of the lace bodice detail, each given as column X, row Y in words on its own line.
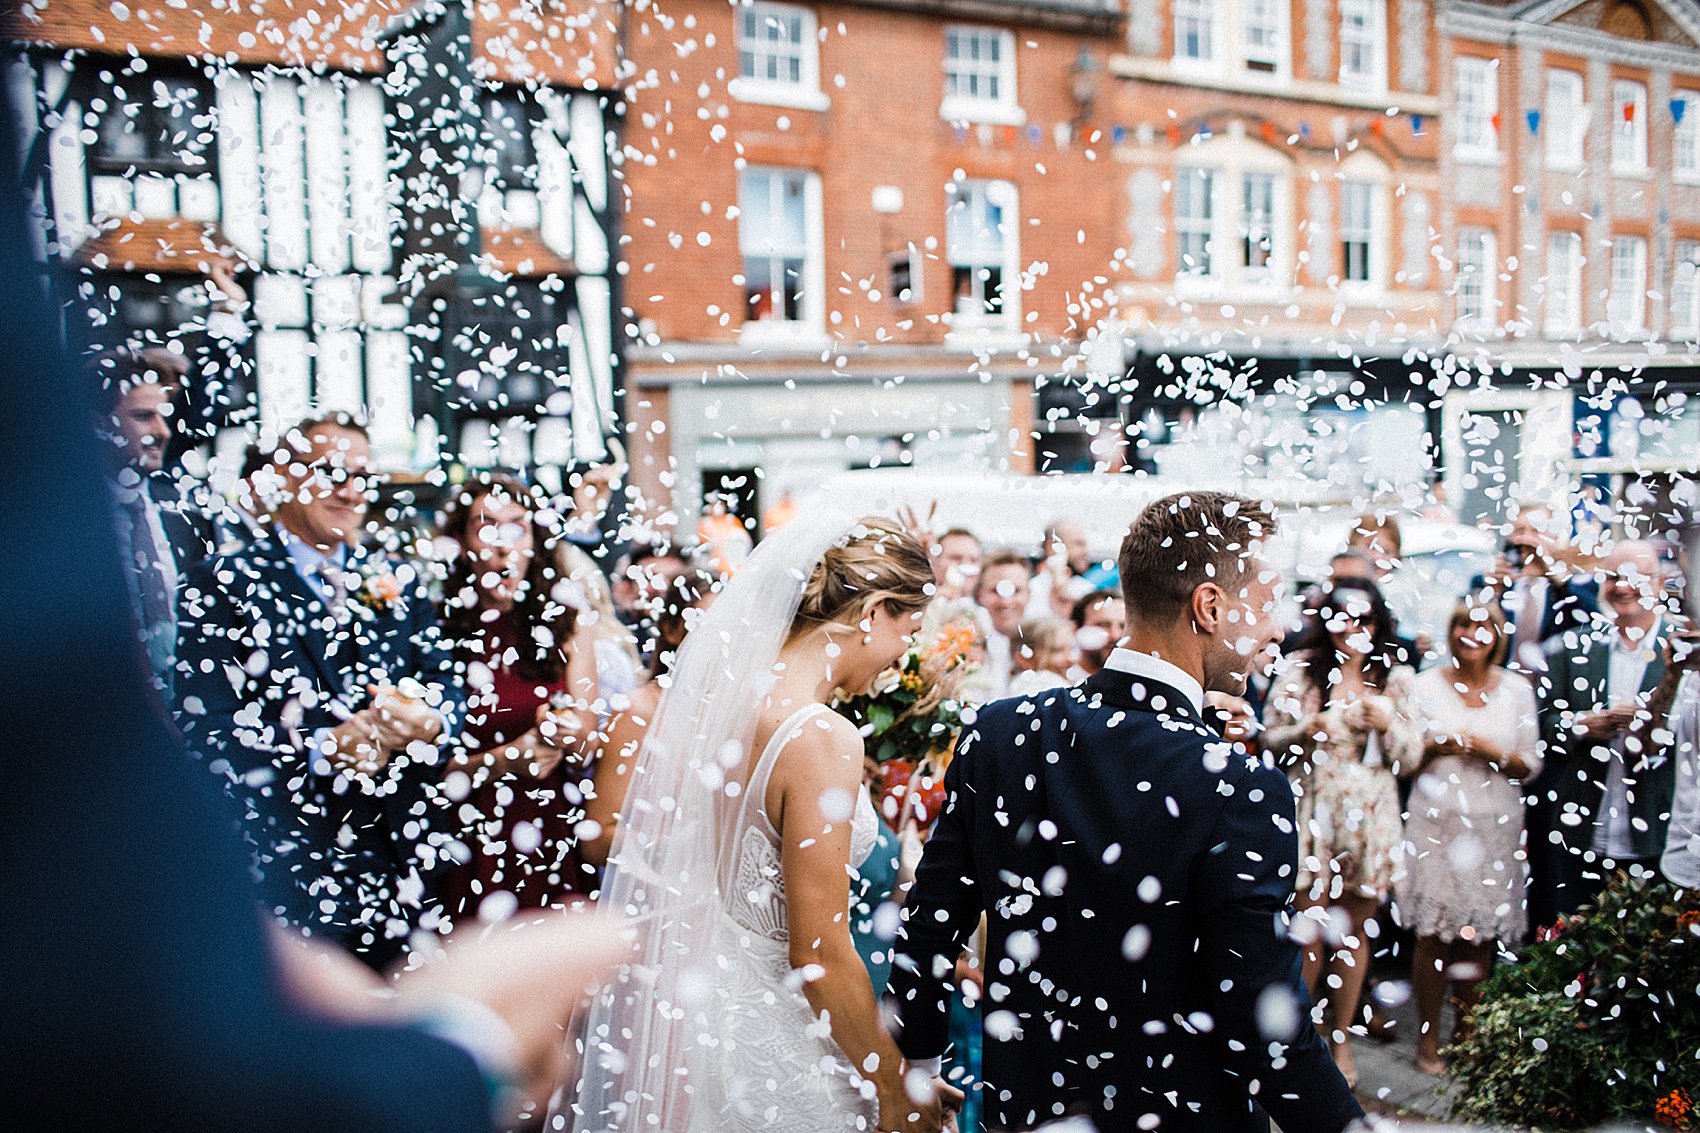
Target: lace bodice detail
column 755, row 896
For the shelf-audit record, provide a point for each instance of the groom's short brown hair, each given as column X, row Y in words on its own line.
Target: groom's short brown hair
column 1183, row 541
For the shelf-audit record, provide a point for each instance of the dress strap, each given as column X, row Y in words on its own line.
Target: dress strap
column 755, row 791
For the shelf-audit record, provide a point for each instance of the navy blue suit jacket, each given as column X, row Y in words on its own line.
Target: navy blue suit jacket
column 1135, row 872
column 1571, row 604
column 262, row 667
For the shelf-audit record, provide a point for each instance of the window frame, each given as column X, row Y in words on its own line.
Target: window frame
column 1267, row 181
column 1685, row 139
column 150, row 118
column 803, row 94
column 977, row 194
column 1002, row 109
column 1196, row 227
column 1685, row 308
column 1206, row 23
column 1565, row 147
column 1570, row 319
column 1279, row 57
column 1473, row 141
column 1370, row 192
column 810, row 321
column 1487, row 242
column 1374, row 40
column 1629, row 145
column 1633, row 321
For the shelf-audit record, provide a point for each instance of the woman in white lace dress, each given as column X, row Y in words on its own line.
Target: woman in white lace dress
column 749, row 1007
column 1465, row 826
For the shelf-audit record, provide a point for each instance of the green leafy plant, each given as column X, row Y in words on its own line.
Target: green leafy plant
column 1599, row 1020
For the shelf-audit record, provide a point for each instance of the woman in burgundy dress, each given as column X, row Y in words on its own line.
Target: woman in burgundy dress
column 530, row 670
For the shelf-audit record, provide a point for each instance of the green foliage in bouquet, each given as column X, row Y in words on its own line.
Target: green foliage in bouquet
column 1600, row 1019
column 911, row 712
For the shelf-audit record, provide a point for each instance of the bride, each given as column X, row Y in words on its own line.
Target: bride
column 748, row 1007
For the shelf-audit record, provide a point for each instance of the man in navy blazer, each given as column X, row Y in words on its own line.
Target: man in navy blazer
column 312, row 674
column 1134, row 869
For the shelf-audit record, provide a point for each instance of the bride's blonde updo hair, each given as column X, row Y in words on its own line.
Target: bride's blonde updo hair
column 880, row 562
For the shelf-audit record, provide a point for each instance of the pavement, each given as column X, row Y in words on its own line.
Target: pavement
column 1389, row 1082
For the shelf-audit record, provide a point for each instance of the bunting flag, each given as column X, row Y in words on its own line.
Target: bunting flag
column 1118, row 134
column 1629, row 111
column 1034, row 134
column 1378, row 127
column 1267, row 130
column 1173, row 132
column 1534, row 117
column 1678, row 107
column 1495, row 120
column 1416, row 124
column 960, row 131
column 1009, row 135
column 1304, row 131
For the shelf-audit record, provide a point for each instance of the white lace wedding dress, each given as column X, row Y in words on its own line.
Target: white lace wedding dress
column 775, row 1067
column 707, row 1028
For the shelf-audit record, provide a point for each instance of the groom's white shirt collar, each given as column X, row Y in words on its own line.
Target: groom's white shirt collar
column 1154, row 668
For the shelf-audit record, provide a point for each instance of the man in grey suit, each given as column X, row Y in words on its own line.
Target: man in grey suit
column 1609, row 793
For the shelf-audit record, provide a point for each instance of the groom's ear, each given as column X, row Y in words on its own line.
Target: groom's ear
column 1206, row 607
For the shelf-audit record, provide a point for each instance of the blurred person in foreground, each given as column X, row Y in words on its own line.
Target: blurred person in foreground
column 1607, row 792
column 142, row 991
column 1464, row 829
column 1135, row 872
column 313, row 678
column 1538, row 587
column 1673, row 732
column 1340, row 719
column 528, row 661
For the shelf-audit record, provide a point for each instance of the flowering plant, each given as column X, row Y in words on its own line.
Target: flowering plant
column 909, row 720
column 1599, row 1019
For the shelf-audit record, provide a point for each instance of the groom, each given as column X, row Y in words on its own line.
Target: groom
column 1134, row 871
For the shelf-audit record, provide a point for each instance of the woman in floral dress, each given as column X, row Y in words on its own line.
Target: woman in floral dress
column 1340, row 718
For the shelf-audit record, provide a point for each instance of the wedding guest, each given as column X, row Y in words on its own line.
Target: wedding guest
column 1536, row 585
column 1045, row 656
column 1610, row 800
column 1065, row 574
column 956, row 563
column 1464, row 829
column 1673, row 731
column 617, row 660
column 623, row 736
column 312, row 675
column 640, row 582
column 1002, row 591
column 530, row 677
column 1100, row 621
column 159, row 537
column 1341, row 719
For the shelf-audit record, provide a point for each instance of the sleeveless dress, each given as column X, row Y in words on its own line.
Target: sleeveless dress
column 773, row 1066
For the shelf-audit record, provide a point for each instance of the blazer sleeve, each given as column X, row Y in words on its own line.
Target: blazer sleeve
column 219, row 703
column 1262, row 1007
column 942, row 912
column 433, row 663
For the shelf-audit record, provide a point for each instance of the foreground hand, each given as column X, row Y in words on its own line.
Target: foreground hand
column 1602, row 725
column 533, row 972
column 401, row 719
column 1682, row 649
column 922, row 1105
column 359, row 744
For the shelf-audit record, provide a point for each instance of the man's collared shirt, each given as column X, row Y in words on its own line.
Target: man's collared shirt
column 1154, row 668
column 1681, row 862
column 1625, row 670
column 310, row 562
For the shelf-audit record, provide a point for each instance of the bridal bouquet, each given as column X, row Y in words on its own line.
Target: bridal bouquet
column 909, row 721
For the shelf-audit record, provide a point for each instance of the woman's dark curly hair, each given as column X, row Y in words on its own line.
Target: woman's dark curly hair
column 1322, row 659
column 548, row 621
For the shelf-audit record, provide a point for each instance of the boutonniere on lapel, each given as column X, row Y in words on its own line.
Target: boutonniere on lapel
column 381, row 589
